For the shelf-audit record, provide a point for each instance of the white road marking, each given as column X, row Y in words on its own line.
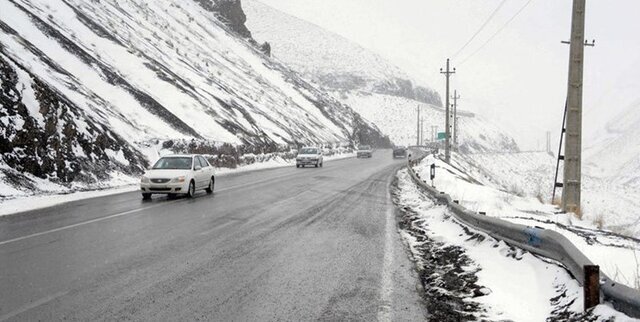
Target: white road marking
column 32, row 305
column 130, row 212
column 386, row 290
column 80, row 224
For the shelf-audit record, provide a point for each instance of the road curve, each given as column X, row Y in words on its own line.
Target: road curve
column 282, row 244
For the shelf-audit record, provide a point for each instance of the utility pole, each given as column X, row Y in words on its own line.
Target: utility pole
column 421, row 131
column 434, row 133
column 548, row 146
column 447, row 126
column 418, row 126
column 573, row 142
column 455, row 118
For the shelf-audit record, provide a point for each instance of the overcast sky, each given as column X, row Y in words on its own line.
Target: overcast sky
column 520, row 77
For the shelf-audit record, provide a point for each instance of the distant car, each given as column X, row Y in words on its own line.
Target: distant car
column 399, row 152
column 178, row 175
column 364, row 151
column 309, row 156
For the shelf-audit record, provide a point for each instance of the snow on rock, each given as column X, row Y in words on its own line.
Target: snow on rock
column 95, row 81
column 328, row 59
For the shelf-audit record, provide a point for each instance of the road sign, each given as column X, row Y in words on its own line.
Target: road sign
column 442, row 135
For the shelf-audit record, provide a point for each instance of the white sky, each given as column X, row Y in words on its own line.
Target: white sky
column 520, row 77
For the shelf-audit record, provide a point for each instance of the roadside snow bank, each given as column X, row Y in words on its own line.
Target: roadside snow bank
column 14, row 201
column 468, row 275
column 617, row 255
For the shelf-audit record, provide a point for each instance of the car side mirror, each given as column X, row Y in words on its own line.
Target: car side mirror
column 198, row 168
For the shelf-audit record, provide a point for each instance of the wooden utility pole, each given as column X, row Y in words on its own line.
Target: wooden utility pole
column 447, row 117
column 455, row 118
column 573, row 141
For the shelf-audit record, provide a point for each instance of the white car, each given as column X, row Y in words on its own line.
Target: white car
column 178, row 174
column 309, row 156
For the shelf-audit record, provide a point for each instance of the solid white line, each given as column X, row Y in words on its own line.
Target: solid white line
column 80, row 224
column 386, row 290
column 32, row 305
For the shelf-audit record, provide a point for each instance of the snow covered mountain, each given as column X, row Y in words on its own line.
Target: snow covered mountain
column 397, row 117
column 328, row 59
column 87, row 86
column 376, row 89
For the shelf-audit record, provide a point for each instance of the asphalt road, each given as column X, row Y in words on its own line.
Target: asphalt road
column 283, row 244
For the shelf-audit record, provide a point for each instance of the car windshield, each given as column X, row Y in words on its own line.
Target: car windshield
column 309, row 151
column 364, row 147
column 182, row 163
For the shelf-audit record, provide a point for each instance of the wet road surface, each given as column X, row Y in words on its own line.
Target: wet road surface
column 282, row 244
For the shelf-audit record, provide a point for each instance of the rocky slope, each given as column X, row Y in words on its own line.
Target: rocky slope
column 328, row 59
column 376, row 89
column 89, row 86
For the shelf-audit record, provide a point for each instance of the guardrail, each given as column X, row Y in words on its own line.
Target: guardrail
column 540, row 241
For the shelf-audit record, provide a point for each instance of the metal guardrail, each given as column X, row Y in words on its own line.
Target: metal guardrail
column 540, row 241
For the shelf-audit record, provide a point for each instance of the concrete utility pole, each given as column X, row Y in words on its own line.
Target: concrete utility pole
column 421, row 131
column 447, row 126
column 455, row 118
column 418, row 126
column 548, row 148
column 573, row 141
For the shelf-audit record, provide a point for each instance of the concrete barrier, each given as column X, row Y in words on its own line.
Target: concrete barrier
column 546, row 243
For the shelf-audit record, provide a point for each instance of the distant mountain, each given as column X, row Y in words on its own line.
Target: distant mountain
column 87, row 86
column 328, row 59
column 397, row 117
column 361, row 79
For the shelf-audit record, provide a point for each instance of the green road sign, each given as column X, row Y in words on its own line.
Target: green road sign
column 442, row 135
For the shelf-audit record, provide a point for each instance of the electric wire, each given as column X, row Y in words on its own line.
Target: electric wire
column 480, row 29
column 496, row 33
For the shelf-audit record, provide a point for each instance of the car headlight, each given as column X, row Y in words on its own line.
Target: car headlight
column 144, row 179
column 178, row 179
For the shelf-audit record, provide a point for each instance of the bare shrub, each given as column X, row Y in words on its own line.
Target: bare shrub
column 599, row 221
column 516, row 190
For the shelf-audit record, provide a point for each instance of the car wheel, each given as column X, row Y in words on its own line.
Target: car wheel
column 192, row 190
column 212, row 183
column 146, row 196
column 317, row 163
column 321, row 164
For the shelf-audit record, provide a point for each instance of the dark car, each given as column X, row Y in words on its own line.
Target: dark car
column 364, row 151
column 400, row 152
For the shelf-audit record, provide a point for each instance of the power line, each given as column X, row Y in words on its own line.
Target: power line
column 479, row 29
column 496, row 33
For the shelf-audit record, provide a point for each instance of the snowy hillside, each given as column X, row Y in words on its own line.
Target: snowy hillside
column 88, row 86
column 614, row 152
column 606, row 204
column 396, row 117
column 477, row 189
column 376, row 89
column 329, row 59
